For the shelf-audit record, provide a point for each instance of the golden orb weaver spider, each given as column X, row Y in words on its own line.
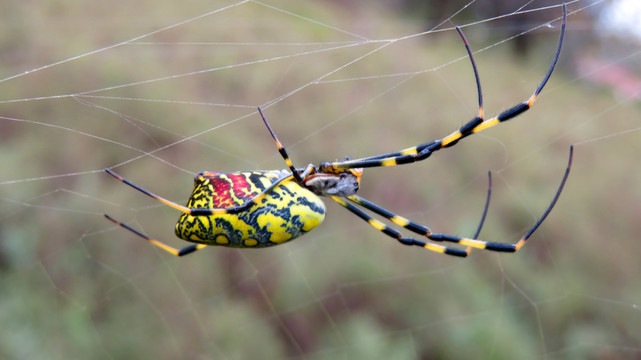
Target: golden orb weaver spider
column 255, row 209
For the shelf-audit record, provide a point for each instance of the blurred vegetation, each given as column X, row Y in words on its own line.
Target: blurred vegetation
column 74, row 286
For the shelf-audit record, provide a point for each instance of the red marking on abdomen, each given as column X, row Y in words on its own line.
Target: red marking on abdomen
column 222, row 197
column 241, row 186
column 223, row 190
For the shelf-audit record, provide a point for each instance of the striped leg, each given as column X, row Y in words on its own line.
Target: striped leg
column 415, row 227
column 425, row 231
column 178, row 252
column 397, row 234
column 281, row 149
column 476, row 120
column 423, row 151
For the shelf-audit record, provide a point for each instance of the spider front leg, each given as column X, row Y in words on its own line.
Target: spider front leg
column 423, row 151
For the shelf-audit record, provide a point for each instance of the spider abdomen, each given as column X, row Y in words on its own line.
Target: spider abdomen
column 285, row 213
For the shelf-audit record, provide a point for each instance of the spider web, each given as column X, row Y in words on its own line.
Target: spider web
column 161, row 91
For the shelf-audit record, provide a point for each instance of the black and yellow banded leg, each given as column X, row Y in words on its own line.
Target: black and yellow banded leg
column 476, row 126
column 202, row 211
column 178, row 252
column 479, row 117
column 423, row 151
column 281, row 149
column 425, row 231
column 391, row 232
column 413, row 226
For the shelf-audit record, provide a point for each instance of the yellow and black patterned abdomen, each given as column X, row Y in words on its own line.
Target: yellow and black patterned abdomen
column 285, row 213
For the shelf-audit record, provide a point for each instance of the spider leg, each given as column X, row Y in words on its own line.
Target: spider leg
column 423, row 151
column 556, row 197
column 202, row 211
column 476, row 72
column 487, row 205
column 425, row 231
column 410, row 225
column 178, row 252
column 281, row 149
column 396, row 234
column 478, row 119
column 421, row 229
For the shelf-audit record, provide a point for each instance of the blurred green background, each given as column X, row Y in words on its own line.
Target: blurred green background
column 162, row 107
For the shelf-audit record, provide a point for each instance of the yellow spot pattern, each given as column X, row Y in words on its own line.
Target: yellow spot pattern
column 221, row 239
column 250, row 242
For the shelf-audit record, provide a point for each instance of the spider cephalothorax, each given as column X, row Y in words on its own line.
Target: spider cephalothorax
column 344, row 183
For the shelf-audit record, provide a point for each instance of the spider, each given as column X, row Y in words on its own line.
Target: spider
column 256, row 209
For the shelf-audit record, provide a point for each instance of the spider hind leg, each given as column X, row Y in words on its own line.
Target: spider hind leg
column 178, row 252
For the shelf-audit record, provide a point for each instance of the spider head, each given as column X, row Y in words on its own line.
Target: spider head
column 341, row 183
